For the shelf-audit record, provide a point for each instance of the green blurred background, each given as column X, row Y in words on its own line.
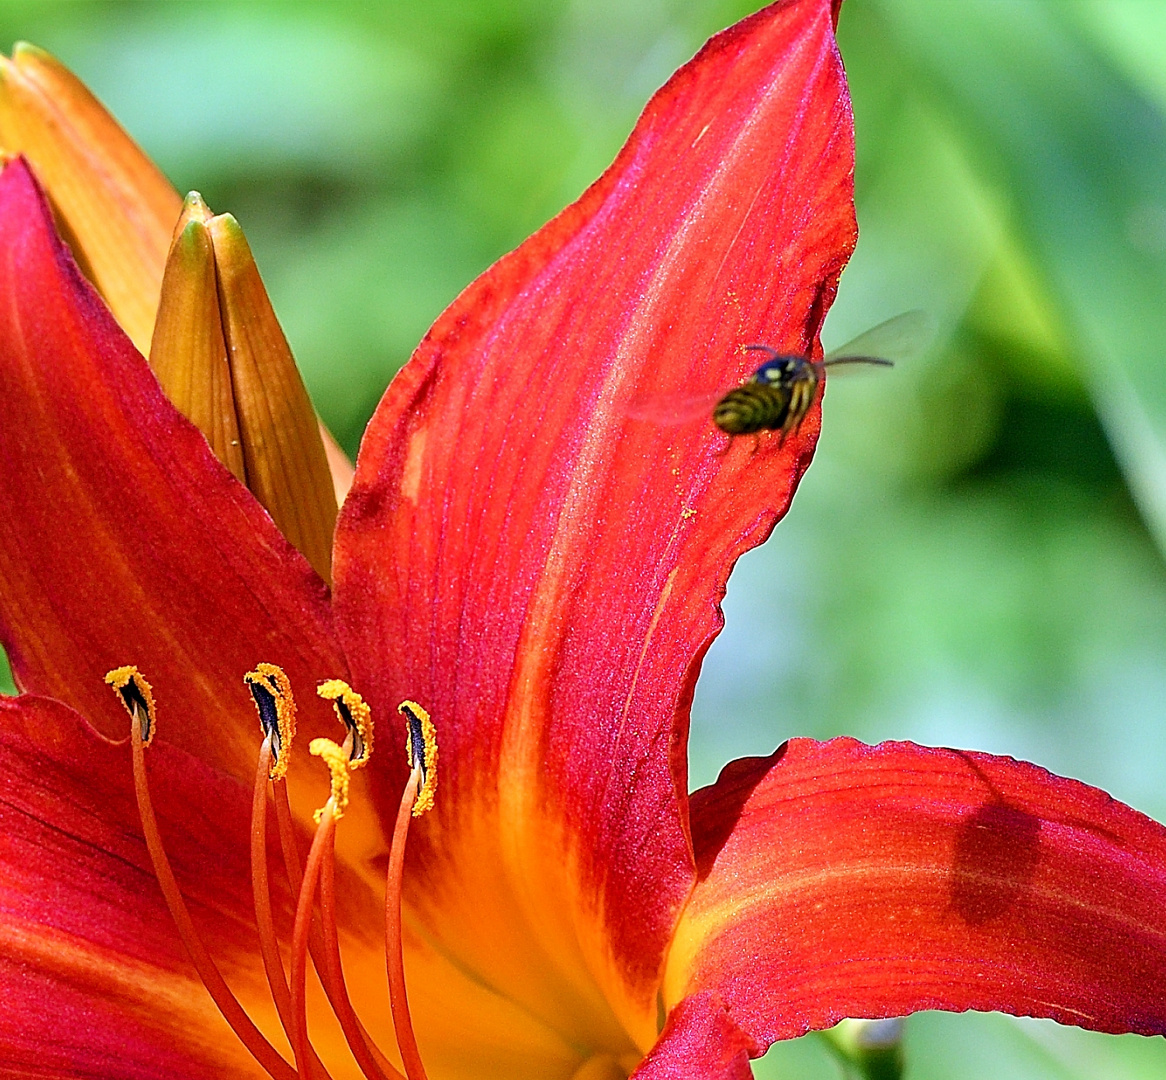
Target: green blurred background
column 976, row 556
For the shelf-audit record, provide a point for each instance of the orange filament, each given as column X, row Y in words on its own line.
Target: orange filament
column 292, row 866
column 260, row 887
column 287, row 836
column 228, row 1004
column 272, row 963
column 325, row 831
column 374, row 1064
column 326, row 955
column 394, row 946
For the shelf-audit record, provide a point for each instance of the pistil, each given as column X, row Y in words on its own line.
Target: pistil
column 319, row 873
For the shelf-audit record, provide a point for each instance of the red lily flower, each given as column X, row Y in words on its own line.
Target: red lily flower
column 541, row 570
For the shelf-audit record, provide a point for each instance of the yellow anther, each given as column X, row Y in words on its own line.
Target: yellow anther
column 354, row 714
column 136, row 695
column 272, row 692
column 420, row 752
column 337, row 761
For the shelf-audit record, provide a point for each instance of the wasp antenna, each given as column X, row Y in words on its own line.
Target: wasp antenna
column 879, row 360
column 773, row 353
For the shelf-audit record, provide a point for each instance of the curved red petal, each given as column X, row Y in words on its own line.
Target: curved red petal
column 93, row 978
column 540, row 566
column 839, row 879
column 122, row 539
column 699, row 1042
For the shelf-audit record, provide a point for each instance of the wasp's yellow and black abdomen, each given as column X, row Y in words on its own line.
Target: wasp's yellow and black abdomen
column 778, row 395
column 752, row 407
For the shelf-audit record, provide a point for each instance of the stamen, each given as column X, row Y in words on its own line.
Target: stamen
column 275, row 703
column 421, row 747
column 272, row 692
column 140, row 705
column 354, row 714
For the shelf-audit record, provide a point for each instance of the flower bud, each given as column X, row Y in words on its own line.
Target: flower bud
column 117, row 212
column 223, row 360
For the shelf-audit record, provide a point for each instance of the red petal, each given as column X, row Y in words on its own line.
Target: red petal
column 839, row 879
column 699, row 1042
column 123, row 541
column 93, row 979
column 541, row 570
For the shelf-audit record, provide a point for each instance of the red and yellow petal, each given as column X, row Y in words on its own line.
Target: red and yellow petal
column 122, row 539
column 838, row 879
column 93, row 978
column 537, row 561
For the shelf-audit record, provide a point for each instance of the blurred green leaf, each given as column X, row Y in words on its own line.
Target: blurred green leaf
column 808, row 1058
column 1083, row 155
column 970, row 1046
column 318, row 94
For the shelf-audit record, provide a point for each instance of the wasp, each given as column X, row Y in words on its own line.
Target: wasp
column 780, row 392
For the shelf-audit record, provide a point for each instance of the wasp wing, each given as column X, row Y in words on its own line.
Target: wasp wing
column 903, row 337
column 670, row 408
